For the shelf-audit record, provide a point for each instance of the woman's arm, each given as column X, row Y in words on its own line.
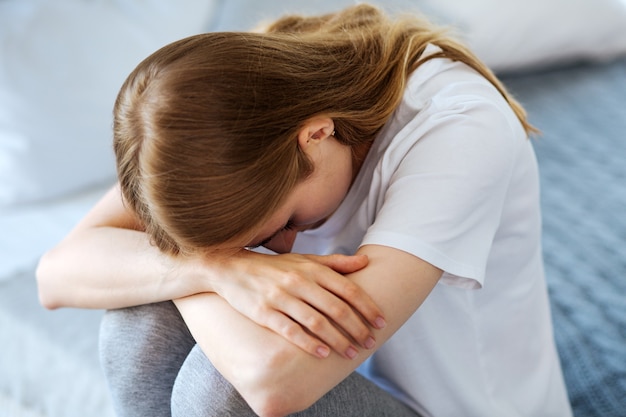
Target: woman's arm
column 106, row 261
column 273, row 376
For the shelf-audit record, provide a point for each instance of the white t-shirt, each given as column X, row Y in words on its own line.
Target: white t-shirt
column 452, row 179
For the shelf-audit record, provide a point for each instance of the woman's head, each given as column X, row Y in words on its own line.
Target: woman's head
column 206, row 129
column 195, row 135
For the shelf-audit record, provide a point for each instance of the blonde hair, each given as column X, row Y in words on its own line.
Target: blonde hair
column 205, row 128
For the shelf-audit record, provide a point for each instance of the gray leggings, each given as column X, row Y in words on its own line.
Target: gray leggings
column 153, row 365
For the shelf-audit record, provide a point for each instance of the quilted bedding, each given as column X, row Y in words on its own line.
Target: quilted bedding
column 581, row 111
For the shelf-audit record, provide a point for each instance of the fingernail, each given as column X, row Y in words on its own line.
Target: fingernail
column 380, row 322
column 323, row 351
column 370, row 342
column 351, row 352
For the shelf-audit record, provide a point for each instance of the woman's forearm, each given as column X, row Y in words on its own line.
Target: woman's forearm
column 274, row 376
column 109, row 267
column 108, row 262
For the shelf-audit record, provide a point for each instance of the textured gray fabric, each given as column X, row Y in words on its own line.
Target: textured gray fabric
column 149, row 357
column 355, row 396
column 582, row 159
column 141, row 351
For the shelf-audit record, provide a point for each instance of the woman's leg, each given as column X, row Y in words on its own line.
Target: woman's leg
column 358, row 396
column 141, row 351
column 201, row 391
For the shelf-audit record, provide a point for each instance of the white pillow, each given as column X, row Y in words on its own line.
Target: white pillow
column 509, row 35
column 518, row 35
column 62, row 63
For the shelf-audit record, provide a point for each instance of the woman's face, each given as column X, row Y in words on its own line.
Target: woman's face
column 313, row 200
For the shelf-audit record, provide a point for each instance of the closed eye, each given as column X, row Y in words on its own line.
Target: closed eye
column 288, row 226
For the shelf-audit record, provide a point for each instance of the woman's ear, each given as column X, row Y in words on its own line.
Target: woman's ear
column 315, row 130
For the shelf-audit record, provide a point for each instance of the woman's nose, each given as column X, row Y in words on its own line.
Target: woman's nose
column 282, row 242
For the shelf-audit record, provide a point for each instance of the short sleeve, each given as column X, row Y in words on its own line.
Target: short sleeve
column 446, row 177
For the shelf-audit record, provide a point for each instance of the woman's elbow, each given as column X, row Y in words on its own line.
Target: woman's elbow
column 275, row 391
column 46, row 285
column 275, row 403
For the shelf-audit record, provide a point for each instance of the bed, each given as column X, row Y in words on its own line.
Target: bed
column 569, row 73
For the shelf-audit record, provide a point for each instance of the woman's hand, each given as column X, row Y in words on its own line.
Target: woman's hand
column 304, row 298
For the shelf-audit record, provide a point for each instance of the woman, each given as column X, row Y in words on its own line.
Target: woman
column 383, row 147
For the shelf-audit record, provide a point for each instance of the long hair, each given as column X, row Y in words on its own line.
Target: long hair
column 205, row 128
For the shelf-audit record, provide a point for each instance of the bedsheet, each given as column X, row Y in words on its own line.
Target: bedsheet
column 582, row 159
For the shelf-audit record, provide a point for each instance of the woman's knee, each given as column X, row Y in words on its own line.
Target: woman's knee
column 141, row 350
column 143, row 333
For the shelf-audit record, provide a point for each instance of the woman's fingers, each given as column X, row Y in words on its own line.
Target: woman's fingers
column 348, row 290
column 358, row 299
column 344, row 264
column 322, row 311
column 286, row 327
column 305, row 299
column 310, row 330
